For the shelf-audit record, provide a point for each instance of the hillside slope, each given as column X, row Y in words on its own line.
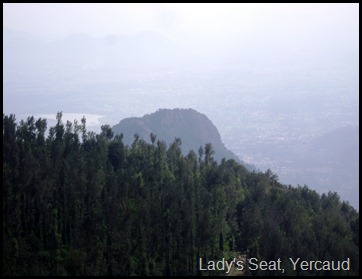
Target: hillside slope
column 77, row 203
column 193, row 127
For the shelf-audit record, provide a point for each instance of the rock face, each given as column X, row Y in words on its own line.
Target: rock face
column 193, row 127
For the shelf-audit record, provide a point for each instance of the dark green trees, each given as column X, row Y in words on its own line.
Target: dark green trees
column 80, row 203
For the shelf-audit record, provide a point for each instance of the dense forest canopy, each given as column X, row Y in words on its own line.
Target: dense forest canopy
column 80, row 203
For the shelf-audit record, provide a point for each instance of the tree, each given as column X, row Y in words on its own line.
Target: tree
column 94, row 206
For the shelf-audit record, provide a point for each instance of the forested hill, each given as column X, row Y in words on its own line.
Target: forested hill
column 194, row 128
column 80, row 203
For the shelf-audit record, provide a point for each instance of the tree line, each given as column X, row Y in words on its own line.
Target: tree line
column 80, row 203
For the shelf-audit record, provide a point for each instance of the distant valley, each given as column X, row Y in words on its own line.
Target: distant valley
column 271, row 114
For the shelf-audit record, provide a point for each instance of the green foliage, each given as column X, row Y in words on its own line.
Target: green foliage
column 95, row 206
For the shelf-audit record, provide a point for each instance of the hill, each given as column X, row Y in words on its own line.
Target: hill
column 193, row 127
column 338, row 153
column 328, row 162
column 78, row 203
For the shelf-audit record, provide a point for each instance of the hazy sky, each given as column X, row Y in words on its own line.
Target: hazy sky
column 206, row 22
column 259, row 71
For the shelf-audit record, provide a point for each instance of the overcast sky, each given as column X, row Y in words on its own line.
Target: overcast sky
column 189, row 21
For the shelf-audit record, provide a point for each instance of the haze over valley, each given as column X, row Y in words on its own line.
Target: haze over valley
column 280, row 86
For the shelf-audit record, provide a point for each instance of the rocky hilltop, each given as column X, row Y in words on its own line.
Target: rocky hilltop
column 192, row 127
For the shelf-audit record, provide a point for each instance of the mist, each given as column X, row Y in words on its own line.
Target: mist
column 279, row 81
